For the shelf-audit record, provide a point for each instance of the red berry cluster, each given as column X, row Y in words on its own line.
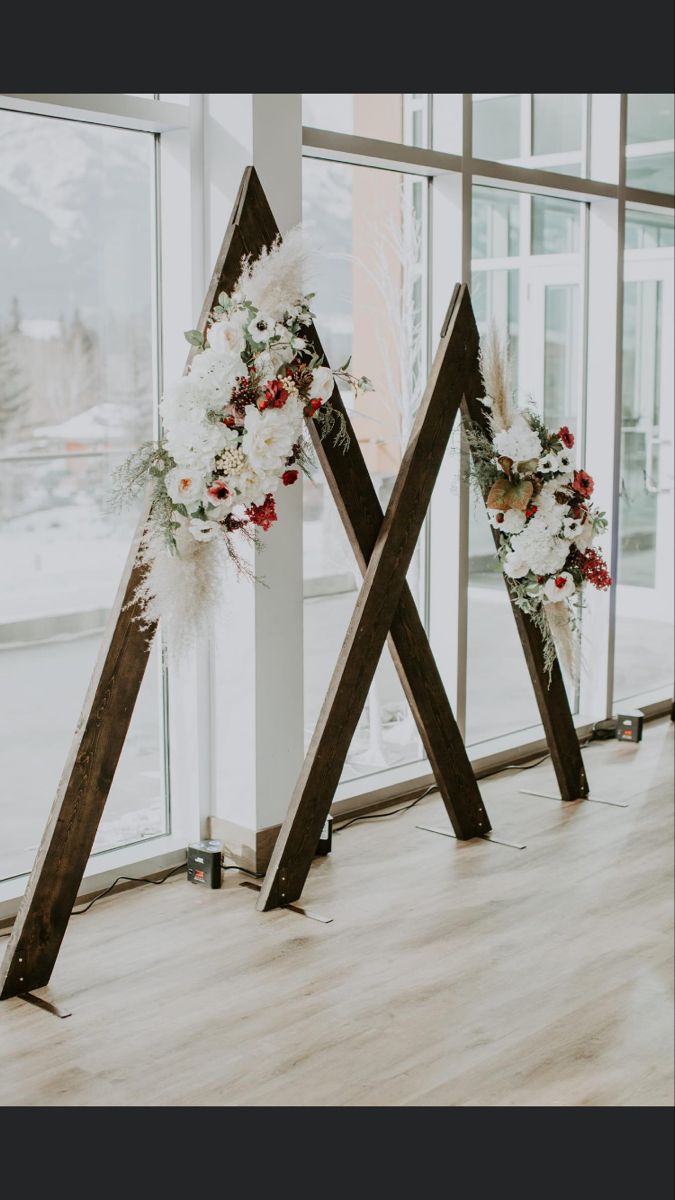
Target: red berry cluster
column 594, row 568
column 263, row 514
column 245, row 391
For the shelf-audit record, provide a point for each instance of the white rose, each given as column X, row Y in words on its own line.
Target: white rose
column 196, row 442
column 515, row 565
column 226, row 336
column 184, row 485
column 270, row 436
column 561, row 587
column 250, row 487
column 322, row 384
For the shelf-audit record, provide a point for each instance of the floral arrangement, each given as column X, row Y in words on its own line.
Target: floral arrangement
column 233, row 435
column 539, row 501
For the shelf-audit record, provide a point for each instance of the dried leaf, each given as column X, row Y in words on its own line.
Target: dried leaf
column 504, row 495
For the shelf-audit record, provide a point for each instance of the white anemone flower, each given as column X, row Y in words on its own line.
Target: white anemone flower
column 261, row 329
column 511, row 521
column 571, row 527
column 203, row 531
column 548, row 464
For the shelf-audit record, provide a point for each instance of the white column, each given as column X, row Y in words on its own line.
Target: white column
column 257, row 665
column 449, row 509
column 603, row 404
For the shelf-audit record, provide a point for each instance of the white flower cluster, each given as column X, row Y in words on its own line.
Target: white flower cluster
column 222, row 464
column 536, row 542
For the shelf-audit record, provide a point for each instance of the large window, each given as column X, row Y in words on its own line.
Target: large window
column 534, row 259
column 78, row 383
column 367, row 230
column 643, row 656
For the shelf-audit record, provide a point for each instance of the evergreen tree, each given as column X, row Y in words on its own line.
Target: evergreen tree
column 12, row 387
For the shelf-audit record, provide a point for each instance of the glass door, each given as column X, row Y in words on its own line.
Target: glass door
column 644, row 635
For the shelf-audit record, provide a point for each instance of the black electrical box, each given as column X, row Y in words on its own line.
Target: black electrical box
column 204, row 863
column 326, row 840
column 629, row 726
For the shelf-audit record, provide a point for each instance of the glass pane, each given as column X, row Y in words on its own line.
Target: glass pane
column 652, row 171
column 650, row 117
column 390, row 116
column 561, row 355
column 556, row 225
column 556, row 123
column 495, row 224
column 491, row 630
column 496, row 127
column 76, row 393
column 370, row 285
column 645, row 230
column 644, row 634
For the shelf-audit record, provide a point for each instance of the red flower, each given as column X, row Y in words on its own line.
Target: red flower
column 560, row 582
column 275, row 395
column 262, row 514
column 566, row 437
column 218, row 490
column 583, row 484
column 312, row 407
column 530, row 510
column 594, row 568
column 289, row 477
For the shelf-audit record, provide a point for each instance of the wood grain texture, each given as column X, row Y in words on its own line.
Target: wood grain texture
column 97, row 745
column 453, row 974
column 551, row 697
column 453, row 372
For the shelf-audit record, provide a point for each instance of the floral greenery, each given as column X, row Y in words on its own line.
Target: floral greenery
column 234, row 432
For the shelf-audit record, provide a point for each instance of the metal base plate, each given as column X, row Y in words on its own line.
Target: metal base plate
column 486, row 837
column 579, row 800
column 296, row 908
column 45, row 1005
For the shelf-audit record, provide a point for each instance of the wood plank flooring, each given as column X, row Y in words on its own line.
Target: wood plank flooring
column 452, row 974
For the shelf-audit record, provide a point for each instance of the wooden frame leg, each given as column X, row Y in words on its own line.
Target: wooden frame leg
column 454, row 371
column 551, row 696
column 88, row 774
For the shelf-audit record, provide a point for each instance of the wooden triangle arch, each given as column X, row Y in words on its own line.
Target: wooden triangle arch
column 385, row 609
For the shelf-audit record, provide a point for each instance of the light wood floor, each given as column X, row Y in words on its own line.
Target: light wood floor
column 453, row 974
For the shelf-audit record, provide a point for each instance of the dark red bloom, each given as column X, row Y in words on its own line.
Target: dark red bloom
column 312, row 407
column 499, row 517
column 594, row 568
column 218, row 490
column 275, row 396
column 530, row 510
column 262, row 514
column 566, row 437
column 560, row 582
column 289, row 477
column 583, row 484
